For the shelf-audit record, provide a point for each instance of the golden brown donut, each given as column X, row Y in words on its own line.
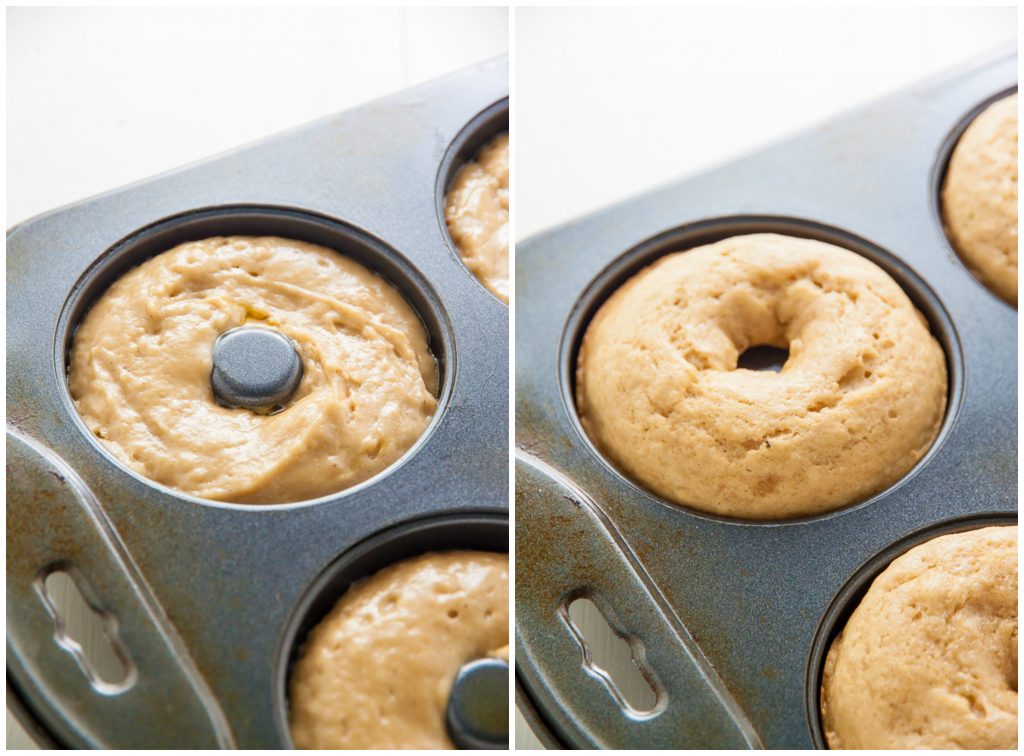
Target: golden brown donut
column 857, row 404
column 928, row 659
column 979, row 197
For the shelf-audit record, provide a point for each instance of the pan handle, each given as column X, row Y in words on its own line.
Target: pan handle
column 54, row 523
column 566, row 548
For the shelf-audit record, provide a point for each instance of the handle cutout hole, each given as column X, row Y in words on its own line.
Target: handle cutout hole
column 86, row 632
column 614, row 658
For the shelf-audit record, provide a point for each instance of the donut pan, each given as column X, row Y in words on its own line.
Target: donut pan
column 728, row 619
column 207, row 602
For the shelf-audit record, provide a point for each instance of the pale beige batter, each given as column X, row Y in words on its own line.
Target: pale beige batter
column 476, row 210
column 856, row 405
column 979, row 199
column 378, row 669
column 141, row 361
column 929, row 657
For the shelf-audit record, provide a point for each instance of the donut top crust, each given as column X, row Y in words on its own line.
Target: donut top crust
column 476, row 211
column 979, row 198
column 929, row 657
column 857, row 404
column 140, row 370
column 378, row 669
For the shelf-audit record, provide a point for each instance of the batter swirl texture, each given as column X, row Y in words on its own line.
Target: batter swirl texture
column 476, row 211
column 378, row 669
column 141, row 360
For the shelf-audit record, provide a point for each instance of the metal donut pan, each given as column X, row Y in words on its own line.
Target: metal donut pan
column 202, row 594
column 727, row 617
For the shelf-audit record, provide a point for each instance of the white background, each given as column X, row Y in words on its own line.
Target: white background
column 98, row 98
column 101, row 97
column 611, row 102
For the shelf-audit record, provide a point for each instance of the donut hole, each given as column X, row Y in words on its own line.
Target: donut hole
column 763, row 358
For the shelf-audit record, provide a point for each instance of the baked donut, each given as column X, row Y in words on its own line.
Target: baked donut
column 858, row 402
column 140, row 368
column 929, row 657
column 476, row 211
column 979, row 197
column 378, row 669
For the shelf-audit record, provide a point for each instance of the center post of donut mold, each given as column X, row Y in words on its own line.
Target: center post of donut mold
column 255, row 368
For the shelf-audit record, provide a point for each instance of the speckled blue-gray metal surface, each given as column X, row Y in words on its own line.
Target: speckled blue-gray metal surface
column 201, row 592
column 731, row 616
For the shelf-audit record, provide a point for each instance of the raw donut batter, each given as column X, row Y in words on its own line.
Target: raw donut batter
column 476, row 210
column 856, row 405
column 378, row 669
column 929, row 657
column 979, row 199
column 141, row 360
